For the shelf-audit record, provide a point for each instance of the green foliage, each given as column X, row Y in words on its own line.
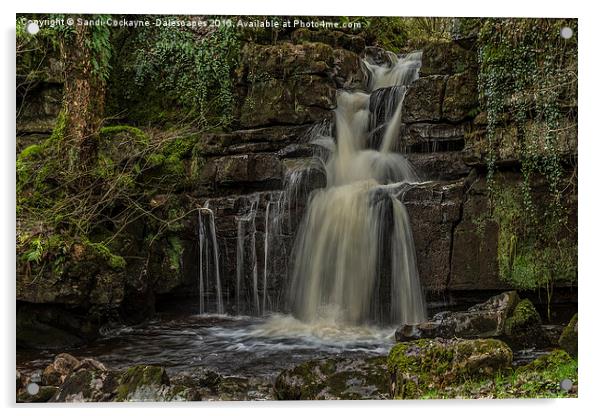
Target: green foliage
column 192, row 69
column 527, row 83
column 114, row 261
column 399, row 33
column 99, row 43
column 528, row 73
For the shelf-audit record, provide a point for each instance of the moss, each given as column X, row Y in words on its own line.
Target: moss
column 418, row 366
column 524, row 315
column 174, row 251
column 569, row 337
column 139, row 376
column 110, row 131
column 113, row 261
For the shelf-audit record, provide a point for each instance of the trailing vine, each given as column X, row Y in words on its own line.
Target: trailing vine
column 527, row 84
column 194, row 68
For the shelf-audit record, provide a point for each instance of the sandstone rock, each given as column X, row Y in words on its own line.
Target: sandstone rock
column 334, row 378
column 61, row 368
column 568, row 339
column 142, row 383
column 419, row 366
column 523, row 328
column 461, row 98
column 248, row 168
column 434, row 209
column 440, row 166
column 446, row 58
column 299, row 100
column 44, row 394
column 423, row 99
column 485, row 320
column 432, row 137
column 91, row 383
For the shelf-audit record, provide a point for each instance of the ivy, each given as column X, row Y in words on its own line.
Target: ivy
column 527, row 85
column 194, row 69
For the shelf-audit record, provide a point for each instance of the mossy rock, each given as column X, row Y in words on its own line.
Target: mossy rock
column 140, row 377
column 419, row 366
column 42, row 396
column 523, row 327
column 334, row 378
column 568, row 338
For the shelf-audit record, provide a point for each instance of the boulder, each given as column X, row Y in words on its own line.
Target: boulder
column 568, row 338
column 418, row 367
column 484, row 320
column 90, row 383
column 523, row 327
column 423, row 99
column 44, row 394
column 61, row 368
column 142, row 383
column 335, row 378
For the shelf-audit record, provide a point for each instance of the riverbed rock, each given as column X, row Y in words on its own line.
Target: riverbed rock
column 90, row 383
column 61, row 368
column 484, row 320
column 569, row 336
column 142, row 383
column 44, row 394
column 523, row 328
column 417, row 367
column 334, row 378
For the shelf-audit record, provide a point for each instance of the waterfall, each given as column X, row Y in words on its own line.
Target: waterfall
column 246, row 230
column 206, row 238
column 201, row 282
column 354, row 257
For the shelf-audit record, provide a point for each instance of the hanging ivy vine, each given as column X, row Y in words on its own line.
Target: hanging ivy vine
column 528, row 87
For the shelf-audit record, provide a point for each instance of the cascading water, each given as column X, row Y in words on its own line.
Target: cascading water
column 207, row 235
column 354, row 259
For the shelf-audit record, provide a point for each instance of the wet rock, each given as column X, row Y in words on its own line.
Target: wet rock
column 461, row 98
column 484, row 320
column 236, row 142
column 434, row 209
column 299, row 100
column 90, row 383
column 44, row 394
column 432, row 137
column 142, row 383
column 248, row 168
column 423, row 99
column 446, row 58
column 417, row 367
column 61, row 368
column 568, row 339
column 334, row 378
column 523, row 328
column 440, row 166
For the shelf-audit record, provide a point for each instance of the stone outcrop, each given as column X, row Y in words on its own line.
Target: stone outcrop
column 419, row 366
column 335, row 379
column 569, row 337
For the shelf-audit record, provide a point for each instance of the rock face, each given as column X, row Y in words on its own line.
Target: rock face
column 419, row 366
column 335, row 379
column 568, row 338
column 484, row 320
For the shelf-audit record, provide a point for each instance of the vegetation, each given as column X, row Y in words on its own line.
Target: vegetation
column 527, row 82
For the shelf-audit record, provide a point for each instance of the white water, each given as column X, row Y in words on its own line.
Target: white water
column 204, row 241
column 355, row 226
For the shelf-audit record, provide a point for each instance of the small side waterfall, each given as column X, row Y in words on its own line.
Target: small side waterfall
column 207, row 235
